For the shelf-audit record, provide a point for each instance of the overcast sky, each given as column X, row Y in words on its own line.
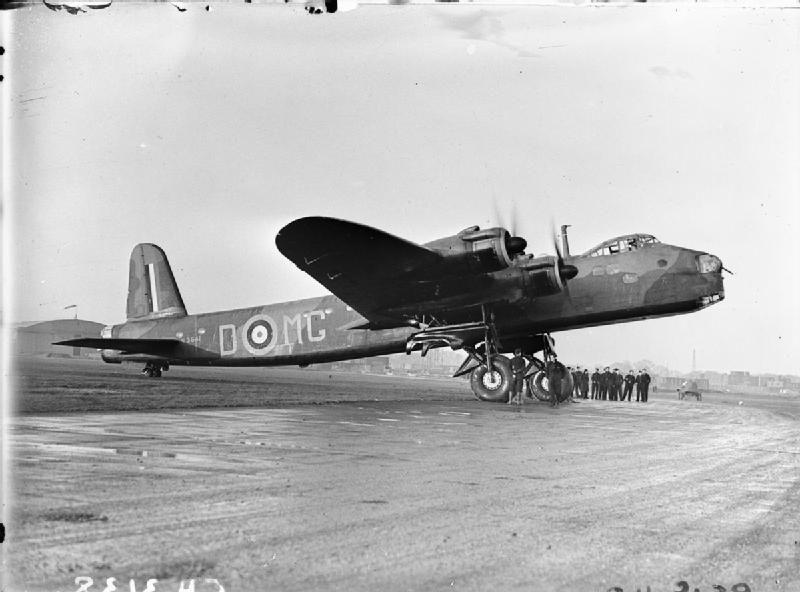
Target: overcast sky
column 206, row 132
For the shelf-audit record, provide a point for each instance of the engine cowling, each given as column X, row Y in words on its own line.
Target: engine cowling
column 547, row 275
column 474, row 251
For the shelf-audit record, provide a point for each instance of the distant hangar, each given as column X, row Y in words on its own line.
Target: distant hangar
column 36, row 339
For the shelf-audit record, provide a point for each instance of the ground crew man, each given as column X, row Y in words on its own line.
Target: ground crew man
column 585, row 383
column 643, row 384
column 577, row 379
column 630, row 380
column 612, row 389
column 617, row 385
column 571, row 372
column 596, row 384
column 556, row 373
column 639, row 386
column 518, row 365
column 605, row 383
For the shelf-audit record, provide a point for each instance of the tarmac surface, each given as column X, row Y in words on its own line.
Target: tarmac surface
column 303, row 480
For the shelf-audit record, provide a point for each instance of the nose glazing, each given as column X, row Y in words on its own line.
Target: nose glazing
column 709, row 264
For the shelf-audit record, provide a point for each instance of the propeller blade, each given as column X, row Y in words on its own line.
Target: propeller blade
column 514, row 244
column 498, row 215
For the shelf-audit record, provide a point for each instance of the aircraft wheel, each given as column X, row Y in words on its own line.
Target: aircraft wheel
column 492, row 386
column 157, row 372
column 540, row 386
column 537, row 383
column 148, row 372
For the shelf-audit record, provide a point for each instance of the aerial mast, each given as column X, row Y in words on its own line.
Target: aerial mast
column 564, row 240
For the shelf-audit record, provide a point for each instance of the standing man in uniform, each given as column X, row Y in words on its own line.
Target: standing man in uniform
column 596, row 384
column 639, row 386
column 605, row 382
column 630, row 380
column 618, row 380
column 556, row 373
column 577, row 379
column 644, row 379
column 584, row 376
column 571, row 372
column 518, row 365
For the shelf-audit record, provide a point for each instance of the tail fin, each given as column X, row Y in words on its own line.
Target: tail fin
column 152, row 291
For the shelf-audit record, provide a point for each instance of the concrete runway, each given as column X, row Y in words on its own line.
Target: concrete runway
column 410, row 495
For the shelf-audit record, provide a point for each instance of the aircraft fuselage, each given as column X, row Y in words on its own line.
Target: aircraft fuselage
column 653, row 281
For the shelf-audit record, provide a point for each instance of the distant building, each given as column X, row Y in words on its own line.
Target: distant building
column 715, row 379
column 373, row 365
column 438, row 362
column 36, row 339
column 742, row 378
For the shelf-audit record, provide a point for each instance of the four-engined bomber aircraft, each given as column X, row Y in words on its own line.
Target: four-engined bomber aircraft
column 477, row 291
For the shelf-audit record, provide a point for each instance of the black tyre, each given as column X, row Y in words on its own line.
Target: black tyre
column 540, row 386
column 537, row 383
column 492, row 386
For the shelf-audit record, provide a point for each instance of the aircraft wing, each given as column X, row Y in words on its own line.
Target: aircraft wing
column 155, row 347
column 367, row 268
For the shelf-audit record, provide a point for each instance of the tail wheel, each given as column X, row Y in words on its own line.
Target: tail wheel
column 492, row 386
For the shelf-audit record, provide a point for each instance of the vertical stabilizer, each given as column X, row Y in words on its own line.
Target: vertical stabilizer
column 152, row 291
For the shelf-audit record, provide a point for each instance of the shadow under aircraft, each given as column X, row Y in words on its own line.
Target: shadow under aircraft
column 477, row 291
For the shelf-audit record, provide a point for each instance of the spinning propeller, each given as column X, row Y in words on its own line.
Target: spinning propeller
column 514, row 244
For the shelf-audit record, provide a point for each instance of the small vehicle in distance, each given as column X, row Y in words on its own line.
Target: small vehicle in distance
column 689, row 389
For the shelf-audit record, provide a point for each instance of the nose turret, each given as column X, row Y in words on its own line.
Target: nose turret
column 710, row 268
column 709, row 263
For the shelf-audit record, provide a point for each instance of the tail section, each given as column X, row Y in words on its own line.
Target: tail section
column 152, row 291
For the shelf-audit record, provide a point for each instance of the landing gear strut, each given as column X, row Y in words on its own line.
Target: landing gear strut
column 490, row 372
column 154, row 369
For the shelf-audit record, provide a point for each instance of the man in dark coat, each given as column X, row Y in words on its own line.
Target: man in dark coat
column 518, row 365
column 617, row 391
column 605, row 383
column 630, row 380
column 576, row 382
column 596, row 383
column 585, row 383
column 643, row 385
column 556, row 374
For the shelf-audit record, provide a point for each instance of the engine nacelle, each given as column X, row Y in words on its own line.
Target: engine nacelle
column 543, row 276
column 474, row 251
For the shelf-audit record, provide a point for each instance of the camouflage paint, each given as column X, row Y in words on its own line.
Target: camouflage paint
column 654, row 280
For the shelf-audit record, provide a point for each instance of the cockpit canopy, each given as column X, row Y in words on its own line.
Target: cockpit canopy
column 622, row 244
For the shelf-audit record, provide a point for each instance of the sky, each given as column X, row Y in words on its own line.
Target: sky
column 206, row 132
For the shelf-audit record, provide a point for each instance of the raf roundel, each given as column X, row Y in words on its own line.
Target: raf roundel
column 259, row 335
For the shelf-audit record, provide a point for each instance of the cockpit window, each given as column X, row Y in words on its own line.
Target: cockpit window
column 622, row 244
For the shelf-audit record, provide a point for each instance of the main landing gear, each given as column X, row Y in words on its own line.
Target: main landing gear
column 154, row 369
column 489, row 371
